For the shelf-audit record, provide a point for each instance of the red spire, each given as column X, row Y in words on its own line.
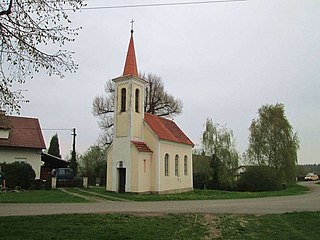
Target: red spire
column 130, row 68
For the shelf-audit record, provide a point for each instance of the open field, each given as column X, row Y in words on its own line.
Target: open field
column 302, row 225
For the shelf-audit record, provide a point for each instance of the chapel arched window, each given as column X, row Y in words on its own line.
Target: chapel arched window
column 137, row 99
column 123, row 99
column 176, row 165
column 166, row 164
column 185, row 165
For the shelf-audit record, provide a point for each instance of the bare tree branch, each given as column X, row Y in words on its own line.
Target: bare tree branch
column 8, row 11
column 26, row 27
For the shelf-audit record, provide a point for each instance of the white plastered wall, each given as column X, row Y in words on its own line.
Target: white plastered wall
column 28, row 155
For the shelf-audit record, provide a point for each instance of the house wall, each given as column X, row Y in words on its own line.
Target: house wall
column 167, row 184
column 141, row 171
column 122, row 118
column 152, row 141
column 130, row 122
column 134, row 169
column 173, row 183
column 144, row 176
column 28, row 155
column 137, row 117
column 109, row 170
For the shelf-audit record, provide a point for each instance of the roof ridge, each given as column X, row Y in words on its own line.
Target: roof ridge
column 166, row 129
column 10, row 116
column 163, row 125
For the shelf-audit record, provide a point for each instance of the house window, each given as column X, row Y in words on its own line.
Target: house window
column 185, row 165
column 166, row 164
column 176, row 165
column 144, row 166
column 123, row 99
column 137, row 97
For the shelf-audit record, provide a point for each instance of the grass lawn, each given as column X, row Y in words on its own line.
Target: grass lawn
column 39, row 196
column 111, row 226
column 171, row 226
column 298, row 226
column 57, row 196
column 196, row 194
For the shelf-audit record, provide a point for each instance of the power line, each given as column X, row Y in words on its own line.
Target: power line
column 158, row 4
column 45, row 129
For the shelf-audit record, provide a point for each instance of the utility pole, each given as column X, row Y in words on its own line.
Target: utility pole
column 73, row 156
column 73, row 161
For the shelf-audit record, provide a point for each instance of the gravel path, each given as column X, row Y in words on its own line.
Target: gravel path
column 258, row 206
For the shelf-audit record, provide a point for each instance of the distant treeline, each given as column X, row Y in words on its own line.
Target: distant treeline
column 304, row 169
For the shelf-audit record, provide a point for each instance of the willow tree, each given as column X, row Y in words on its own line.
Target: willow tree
column 157, row 102
column 27, row 27
column 219, row 142
column 272, row 142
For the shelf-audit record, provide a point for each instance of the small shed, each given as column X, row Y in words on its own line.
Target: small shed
column 51, row 162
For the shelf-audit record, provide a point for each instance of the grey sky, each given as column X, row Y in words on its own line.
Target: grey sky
column 222, row 60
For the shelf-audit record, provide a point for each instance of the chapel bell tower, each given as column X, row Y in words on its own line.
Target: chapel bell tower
column 128, row 116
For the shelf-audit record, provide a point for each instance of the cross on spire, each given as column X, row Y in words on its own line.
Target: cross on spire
column 132, row 21
column 130, row 67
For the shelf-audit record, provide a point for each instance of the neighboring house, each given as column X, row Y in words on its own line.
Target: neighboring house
column 21, row 140
column 240, row 170
column 149, row 153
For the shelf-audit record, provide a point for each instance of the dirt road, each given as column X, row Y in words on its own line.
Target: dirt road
column 306, row 202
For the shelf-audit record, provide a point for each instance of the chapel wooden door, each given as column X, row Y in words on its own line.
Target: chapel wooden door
column 122, row 180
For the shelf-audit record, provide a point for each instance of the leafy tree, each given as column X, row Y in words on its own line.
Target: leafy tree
column 73, row 163
column 259, row 179
column 218, row 142
column 26, row 27
column 93, row 163
column 202, row 177
column 220, row 178
column 157, row 101
column 71, row 158
column 273, row 143
column 54, row 148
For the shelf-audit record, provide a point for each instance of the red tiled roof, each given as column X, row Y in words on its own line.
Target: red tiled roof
column 141, row 146
column 130, row 67
column 24, row 132
column 166, row 129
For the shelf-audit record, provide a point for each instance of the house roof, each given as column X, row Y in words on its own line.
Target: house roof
column 130, row 67
column 24, row 132
column 141, row 146
column 53, row 161
column 166, row 129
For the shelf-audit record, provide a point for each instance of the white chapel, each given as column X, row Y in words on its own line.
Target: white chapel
column 149, row 154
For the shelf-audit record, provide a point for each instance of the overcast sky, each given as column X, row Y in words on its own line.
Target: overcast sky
column 223, row 60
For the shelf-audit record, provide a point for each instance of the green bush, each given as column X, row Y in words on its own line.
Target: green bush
column 259, row 179
column 18, row 175
column 37, row 184
column 200, row 180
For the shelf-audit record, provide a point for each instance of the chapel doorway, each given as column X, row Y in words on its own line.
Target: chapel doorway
column 121, row 180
